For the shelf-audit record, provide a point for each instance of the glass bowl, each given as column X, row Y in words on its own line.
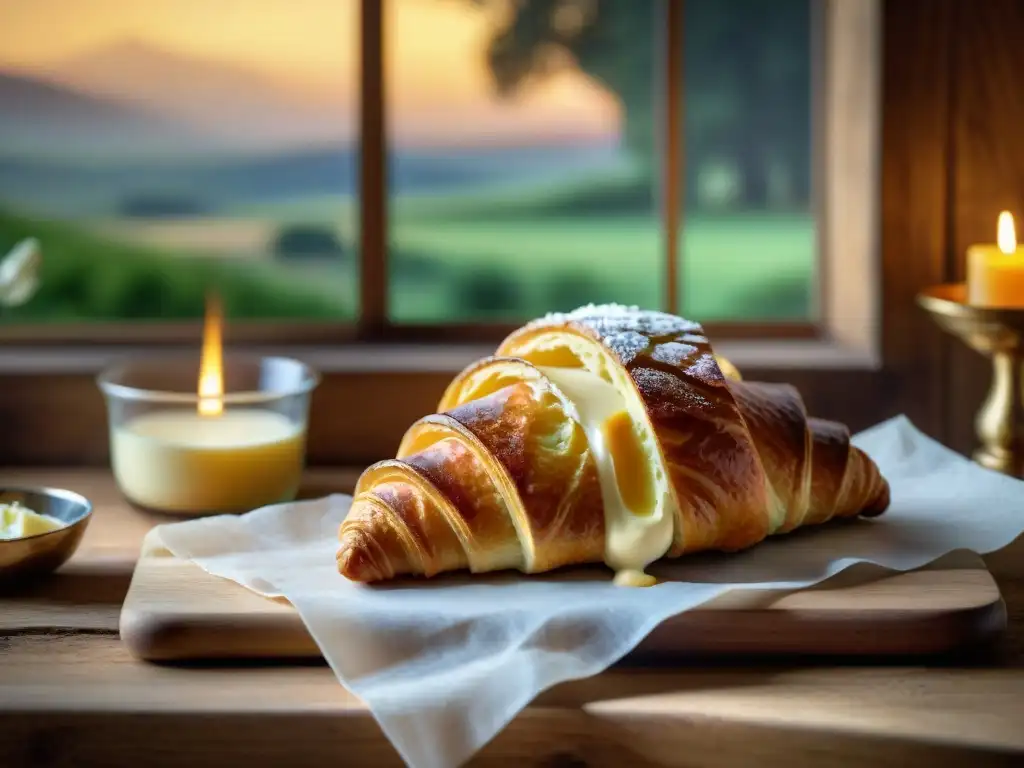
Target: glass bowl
column 168, row 456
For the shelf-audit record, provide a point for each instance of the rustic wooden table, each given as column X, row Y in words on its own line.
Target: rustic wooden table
column 70, row 694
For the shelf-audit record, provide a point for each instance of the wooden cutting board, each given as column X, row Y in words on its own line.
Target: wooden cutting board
column 175, row 611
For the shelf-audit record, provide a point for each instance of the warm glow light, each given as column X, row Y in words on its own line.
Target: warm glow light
column 211, row 364
column 1007, row 236
column 438, row 94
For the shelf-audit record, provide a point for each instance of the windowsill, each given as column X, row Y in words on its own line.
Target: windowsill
column 427, row 358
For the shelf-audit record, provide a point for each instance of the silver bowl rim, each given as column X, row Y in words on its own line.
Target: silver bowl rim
column 43, row 490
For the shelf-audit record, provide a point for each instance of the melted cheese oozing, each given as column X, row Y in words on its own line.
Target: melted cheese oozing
column 634, row 579
column 638, row 526
column 17, row 522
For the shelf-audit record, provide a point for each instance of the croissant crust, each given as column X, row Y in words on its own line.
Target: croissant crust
column 504, row 477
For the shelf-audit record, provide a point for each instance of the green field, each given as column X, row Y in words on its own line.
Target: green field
column 516, row 253
column 503, row 255
column 735, row 268
column 86, row 278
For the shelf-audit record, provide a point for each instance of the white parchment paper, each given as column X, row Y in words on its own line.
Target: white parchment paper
column 445, row 664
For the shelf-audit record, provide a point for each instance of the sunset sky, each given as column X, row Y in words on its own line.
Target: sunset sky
column 438, row 80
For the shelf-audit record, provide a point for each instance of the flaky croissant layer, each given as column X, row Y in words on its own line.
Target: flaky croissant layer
column 608, row 434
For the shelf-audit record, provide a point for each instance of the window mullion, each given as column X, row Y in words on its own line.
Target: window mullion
column 373, row 187
column 671, row 142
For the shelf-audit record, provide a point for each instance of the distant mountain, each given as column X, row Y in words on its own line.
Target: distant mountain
column 40, row 118
column 221, row 99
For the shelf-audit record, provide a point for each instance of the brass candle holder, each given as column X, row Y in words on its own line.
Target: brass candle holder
column 997, row 333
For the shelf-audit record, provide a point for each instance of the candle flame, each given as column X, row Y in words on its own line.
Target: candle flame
column 211, row 364
column 1007, row 236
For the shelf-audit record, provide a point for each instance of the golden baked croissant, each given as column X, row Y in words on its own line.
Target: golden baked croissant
column 608, row 434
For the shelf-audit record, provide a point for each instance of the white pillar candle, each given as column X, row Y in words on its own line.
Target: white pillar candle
column 995, row 273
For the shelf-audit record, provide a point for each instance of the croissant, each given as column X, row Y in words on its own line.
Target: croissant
column 605, row 435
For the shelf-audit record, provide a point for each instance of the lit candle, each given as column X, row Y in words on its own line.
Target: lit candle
column 211, row 459
column 995, row 273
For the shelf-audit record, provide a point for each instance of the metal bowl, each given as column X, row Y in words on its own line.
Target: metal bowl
column 44, row 552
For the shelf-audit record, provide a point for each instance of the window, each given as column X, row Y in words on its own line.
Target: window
column 527, row 148
column 523, row 166
column 445, row 167
column 748, row 233
column 160, row 147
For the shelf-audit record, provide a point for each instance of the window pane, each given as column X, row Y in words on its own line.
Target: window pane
column 522, row 157
column 160, row 147
column 749, row 237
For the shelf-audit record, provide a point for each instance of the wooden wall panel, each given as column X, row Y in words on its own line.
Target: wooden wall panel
column 916, row 148
column 987, row 169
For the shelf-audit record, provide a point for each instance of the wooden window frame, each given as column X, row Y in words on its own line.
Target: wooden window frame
column 52, row 414
column 373, row 325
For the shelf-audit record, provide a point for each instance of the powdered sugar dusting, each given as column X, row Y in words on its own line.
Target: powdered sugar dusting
column 705, row 368
column 668, row 396
column 588, row 311
column 692, row 338
column 673, row 353
column 627, row 345
column 668, row 357
column 608, row 319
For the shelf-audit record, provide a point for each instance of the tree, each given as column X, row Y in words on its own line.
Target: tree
column 307, row 241
column 753, row 55
column 609, row 40
column 746, row 64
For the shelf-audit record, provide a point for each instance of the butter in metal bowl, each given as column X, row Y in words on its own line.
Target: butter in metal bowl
column 19, row 522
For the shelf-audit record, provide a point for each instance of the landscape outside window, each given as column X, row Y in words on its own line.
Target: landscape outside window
column 158, row 148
